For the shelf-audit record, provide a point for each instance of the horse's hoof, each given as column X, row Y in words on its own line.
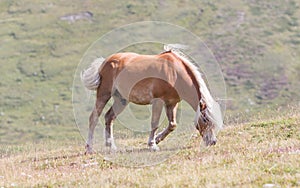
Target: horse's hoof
column 154, row 148
column 113, row 148
column 157, row 139
column 88, row 150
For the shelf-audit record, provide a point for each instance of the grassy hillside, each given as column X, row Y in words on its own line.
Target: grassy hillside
column 247, row 155
column 256, row 44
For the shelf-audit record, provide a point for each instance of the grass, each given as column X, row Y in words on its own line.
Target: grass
column 247, row 155
column 39, row 56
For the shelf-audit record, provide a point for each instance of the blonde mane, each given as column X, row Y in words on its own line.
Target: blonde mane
column 213, row 108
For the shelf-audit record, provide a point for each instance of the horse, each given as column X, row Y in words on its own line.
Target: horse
column 162, row 80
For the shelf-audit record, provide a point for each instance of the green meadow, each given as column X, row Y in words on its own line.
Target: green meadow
column 256, row 43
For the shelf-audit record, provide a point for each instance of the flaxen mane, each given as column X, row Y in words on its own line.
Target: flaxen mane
column 214, row 111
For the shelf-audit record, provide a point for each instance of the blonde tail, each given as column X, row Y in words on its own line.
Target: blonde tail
column 90, row 77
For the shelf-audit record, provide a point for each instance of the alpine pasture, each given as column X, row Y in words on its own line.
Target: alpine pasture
column 255, row 42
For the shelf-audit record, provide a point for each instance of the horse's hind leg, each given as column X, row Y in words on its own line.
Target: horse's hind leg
column 171, row 114
column 157, row 106
column 117, row 107
column 102, row 99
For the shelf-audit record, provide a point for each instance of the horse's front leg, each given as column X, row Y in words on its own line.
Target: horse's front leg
column 171, row 114
column 157, row 106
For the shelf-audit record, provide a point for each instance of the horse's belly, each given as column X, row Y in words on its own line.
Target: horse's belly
column 144, row 91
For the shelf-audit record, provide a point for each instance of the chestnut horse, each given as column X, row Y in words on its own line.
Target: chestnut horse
column 162, row 80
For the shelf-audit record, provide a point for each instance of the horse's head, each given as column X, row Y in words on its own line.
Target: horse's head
column 209, row 121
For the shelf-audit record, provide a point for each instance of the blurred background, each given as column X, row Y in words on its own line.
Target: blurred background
column 255, row 42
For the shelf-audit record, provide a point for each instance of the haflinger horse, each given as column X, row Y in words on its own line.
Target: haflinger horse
column 162, row 80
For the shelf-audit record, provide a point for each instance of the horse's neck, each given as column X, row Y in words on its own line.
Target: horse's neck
column 190, row 95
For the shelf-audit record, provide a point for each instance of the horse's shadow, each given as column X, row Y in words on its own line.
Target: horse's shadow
column 142, row 150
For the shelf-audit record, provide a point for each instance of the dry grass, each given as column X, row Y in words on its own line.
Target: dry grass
column 247, row 155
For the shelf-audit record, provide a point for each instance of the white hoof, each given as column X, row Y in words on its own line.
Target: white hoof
column 113, row 148
column 154, row 148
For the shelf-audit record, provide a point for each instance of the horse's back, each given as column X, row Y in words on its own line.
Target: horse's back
column 137, row 62
column 140, row 78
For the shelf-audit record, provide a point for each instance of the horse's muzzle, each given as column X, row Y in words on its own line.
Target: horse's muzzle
column 210, row 141
column 213, row 143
